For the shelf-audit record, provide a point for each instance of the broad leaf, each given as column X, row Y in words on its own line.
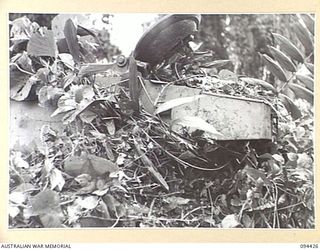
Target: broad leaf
column 84, row 93
column 89, row 202
column 197, row 123
column 45, row 202
column 56, row 179
column 290, row 106
column 176, row 102
column 110, row 126
column 304, row 37
column 88, row 116
column 274, row 68
column 230, row 221
column 307, row 81
column 76, row 165
column 302, row 92
column 310, row 67
column 89, row 164
column 67, row 59
column 264, row 84
column 256, row 174
column 48, row 96
column 21, row 91
column 70, row 32
column 59, row 21
column 102, row 165
column 282, row 59
column 51, row 220
column 17, row 197
column 22, row 28
column 228, row 75
column 42, row 44
column 308, row 21
column 288, row 47
column 115, row 208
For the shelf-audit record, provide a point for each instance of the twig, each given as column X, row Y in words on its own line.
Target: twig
column 169, row 84
column 151, row 207
column 193, row 210
column 144, row 88
column 161, row 93
column 186, row 164
column 22, row 70
column 211, row 201
column 290, row 206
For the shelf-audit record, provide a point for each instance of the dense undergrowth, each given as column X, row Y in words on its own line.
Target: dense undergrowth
column 115, row 166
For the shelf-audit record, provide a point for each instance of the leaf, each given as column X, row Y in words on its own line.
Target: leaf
column 89, row 202
column 307, row 81
column 198, row 123
column 22, row 28
column 95, row 222
column 21, row 92
column 56, row 179
column 247, row 221
column 67, row 60
column 310, row 67
column 150, row 166
column 115, row 207
column 256, row 174
column 175, row 202
column 70, row 33
column 309, row 22
column 48, row 96
column 304, row 161
column 42, row 44
column 230, row 221
column 110, row 126
column 111, row 203
column 24, row 61
column 178, row 200
column 176, row 102
column 65, row 103
column 120, row 159
column 274, row 68
column 304, row 37
column 84, row 93
column 225, row 74
column 88, row 116
column 76, row 165
column 302, row 92
column 13, row 211
column 288, row 47
column 52, row 220
column 89, row 164
column 93, row 68
column 282, row 59
column 59, row 21
column 25, row 187
column 264, row 84
column 279, row 158
column 290, row 106
column 19, row 162
column 102, row 165
column 45, row 202
column 17, row 197
column 215, row 64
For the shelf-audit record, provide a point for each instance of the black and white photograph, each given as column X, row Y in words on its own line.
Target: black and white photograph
column 161, row 120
